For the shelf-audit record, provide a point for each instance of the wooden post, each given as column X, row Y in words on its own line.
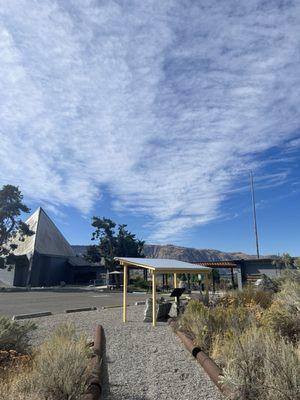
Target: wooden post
column 206, row 284
column 125, row 294
column 232, row 277
column 153, row 298
column 175, row 280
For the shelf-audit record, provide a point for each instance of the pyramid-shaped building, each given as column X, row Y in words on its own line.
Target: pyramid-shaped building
column 46, row 258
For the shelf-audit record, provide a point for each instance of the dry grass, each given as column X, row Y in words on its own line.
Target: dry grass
column 59, row 370
column 15, row 335
column 261, row 366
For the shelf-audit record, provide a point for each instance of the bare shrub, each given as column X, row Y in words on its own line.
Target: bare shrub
column 15, row 335
column 60, row 369
column 261, row 366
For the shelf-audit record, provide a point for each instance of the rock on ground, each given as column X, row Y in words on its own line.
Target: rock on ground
column 143, row 363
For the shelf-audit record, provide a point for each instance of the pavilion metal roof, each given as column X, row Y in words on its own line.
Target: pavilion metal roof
column 163, row 265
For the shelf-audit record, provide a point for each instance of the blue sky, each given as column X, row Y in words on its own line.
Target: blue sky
column 153, row 113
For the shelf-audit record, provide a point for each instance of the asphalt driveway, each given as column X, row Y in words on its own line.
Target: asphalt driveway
column 14, row 303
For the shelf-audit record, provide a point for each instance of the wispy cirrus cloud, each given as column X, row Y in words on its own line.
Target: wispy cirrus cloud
column 164, row 104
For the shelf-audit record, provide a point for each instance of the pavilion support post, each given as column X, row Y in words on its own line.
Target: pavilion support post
column 175, row 284
column 232, row 278
column 153, row 298
column 239, row 279
column 206, row 284
column 125, row 293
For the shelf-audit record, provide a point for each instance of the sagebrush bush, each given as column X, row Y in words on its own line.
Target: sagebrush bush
column 290, row 295
column 289, row 274
column 246, row 297
column 60, row 369
column 205, row 324
column 283, row 316
column 15, row 335
column 261, row 366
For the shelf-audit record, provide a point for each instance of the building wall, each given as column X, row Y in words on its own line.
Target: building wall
column 7, row 276
column 81, row 276
column 21, row 271
column 255, row 267
column 48, row 270
column 17, row 274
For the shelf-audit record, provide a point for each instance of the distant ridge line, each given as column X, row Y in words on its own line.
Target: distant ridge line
column 181, row 253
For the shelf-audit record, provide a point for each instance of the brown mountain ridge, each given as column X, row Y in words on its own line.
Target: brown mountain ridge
column 190, row 254
column 181, row 253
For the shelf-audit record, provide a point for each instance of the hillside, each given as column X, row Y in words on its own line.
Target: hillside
column 180, row 253
column 189, row 254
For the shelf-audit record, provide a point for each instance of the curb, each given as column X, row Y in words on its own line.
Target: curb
column 137, row 303
column 94, row 389
column 117, row 306
column 210, row 367
column 81, row 309
column 33, row 315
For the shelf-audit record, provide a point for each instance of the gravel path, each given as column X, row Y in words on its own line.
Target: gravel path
column 144, row 363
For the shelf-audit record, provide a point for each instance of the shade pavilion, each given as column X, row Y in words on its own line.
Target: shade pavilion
column 159, row 266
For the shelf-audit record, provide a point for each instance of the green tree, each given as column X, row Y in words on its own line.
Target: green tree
column 127, row 243
column 92, row 254
column 115, row 242
column 11, row 226
column 215, row 278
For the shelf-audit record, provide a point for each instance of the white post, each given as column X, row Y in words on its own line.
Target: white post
column 239, row 278
column 153, row 298
column 125, row 294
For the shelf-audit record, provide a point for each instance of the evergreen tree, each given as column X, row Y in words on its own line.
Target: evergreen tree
column 115, row 242
column 11, row 226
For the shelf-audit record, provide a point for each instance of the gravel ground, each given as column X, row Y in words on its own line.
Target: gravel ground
column 144, row 363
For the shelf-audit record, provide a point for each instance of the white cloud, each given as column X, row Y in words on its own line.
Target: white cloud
column 165, row 103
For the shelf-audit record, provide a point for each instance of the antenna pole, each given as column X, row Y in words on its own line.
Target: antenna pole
column 254, row 213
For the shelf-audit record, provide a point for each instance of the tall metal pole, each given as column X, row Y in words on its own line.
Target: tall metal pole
column 254, row 213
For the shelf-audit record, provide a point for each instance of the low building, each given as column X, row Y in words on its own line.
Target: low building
column 46, row 258
column 250, row 269
column 253, row 269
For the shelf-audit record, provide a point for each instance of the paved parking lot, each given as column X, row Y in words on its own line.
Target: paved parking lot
column 14, row 303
